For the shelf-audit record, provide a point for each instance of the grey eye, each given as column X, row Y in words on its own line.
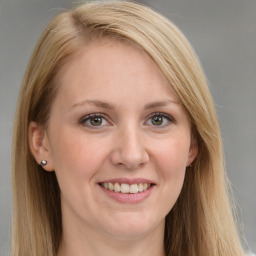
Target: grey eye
column 159, row 119
column 94, row 120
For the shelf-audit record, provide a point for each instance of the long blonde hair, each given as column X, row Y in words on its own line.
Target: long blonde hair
column 201, row 222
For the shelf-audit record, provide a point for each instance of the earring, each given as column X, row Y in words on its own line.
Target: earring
column 43, row 163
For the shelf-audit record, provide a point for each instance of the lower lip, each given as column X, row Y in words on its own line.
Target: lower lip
column 128, row 198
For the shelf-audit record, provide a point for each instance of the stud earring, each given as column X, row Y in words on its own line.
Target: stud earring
column 43, row 163
column 189, row 166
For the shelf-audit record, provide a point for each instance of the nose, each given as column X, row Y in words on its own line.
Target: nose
column 129, row 150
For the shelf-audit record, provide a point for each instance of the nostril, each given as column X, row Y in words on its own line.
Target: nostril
column 128, row 161
column 129, row 150
column 133, row 166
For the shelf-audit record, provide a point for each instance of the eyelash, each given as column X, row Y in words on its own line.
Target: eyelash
column 104, row 117
column 90, row 117
column 163, row 116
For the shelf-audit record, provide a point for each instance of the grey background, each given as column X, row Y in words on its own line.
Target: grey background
column 223, row 33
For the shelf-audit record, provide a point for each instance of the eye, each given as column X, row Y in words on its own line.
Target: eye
column 94, row 120
column 159, row 119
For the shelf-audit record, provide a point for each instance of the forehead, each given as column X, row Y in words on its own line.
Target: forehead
column 102, row 68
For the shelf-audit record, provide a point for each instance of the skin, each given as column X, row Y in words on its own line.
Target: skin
column 127, row 144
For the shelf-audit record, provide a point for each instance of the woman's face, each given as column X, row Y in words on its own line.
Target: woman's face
column 116, row 125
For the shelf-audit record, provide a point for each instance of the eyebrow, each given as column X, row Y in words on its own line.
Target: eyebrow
column 105, row 105
column 160, row 104
column 96, row 103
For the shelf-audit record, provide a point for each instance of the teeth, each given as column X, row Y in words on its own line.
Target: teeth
column 117, row 187
column 134, row 189
column 126, row 188
column 110, row 186
column 140, row 187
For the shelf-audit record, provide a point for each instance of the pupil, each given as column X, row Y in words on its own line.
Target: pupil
column 96, row 121
column 157, row 120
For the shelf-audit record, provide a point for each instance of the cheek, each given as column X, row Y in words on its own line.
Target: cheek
column 172, row 156
column 171, row 164
column 77, row 155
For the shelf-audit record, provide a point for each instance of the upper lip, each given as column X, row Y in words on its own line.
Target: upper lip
column 128, row 181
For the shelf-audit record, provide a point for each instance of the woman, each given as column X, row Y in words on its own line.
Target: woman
column 117, row 147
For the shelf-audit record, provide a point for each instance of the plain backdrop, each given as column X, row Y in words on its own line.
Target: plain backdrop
column 223, row 33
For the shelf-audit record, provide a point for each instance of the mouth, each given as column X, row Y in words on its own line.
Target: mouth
column 125, row 188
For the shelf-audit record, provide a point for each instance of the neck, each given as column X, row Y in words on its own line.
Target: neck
column 91, row 243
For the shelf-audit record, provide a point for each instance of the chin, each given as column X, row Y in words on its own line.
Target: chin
column 134, row 226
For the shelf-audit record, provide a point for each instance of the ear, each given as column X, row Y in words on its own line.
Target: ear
column 193, row 150
column 39, row 145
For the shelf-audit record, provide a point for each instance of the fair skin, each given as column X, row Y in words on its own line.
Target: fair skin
column 115, row 119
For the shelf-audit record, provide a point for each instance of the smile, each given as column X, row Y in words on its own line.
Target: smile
column 126, row 188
